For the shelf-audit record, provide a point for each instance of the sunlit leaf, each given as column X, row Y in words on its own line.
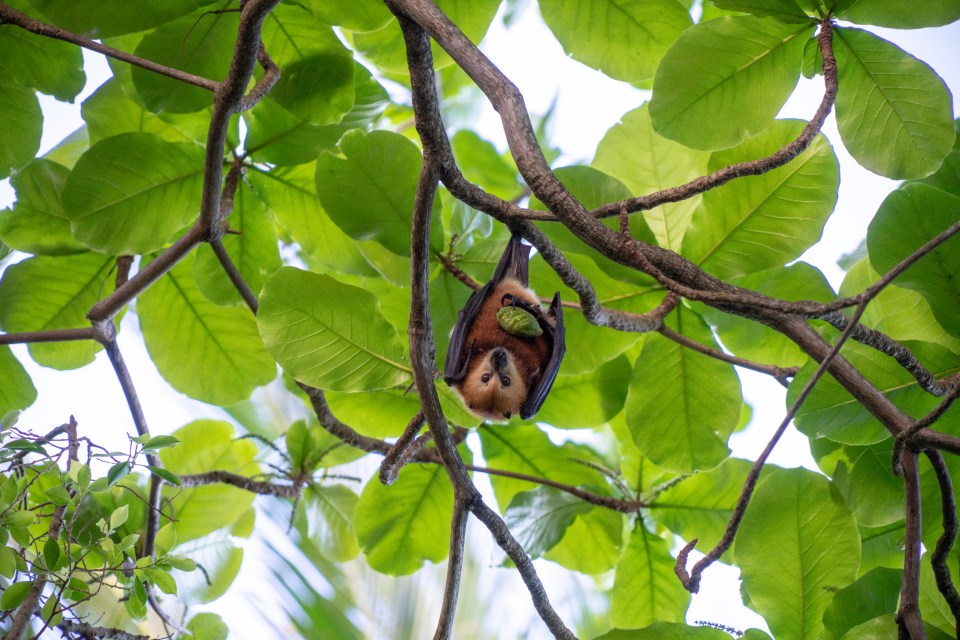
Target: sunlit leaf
column 645, row 588
column 36, row 223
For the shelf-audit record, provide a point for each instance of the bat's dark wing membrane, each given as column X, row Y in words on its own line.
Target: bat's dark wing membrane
column 513, row 264
column 541, row 387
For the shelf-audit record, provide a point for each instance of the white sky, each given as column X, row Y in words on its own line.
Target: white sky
column 588, row 104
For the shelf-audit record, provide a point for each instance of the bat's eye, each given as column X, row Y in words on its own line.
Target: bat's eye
column 505, row 381
column 485, row 378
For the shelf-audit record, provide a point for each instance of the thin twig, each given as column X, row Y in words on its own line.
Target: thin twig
column 780, row 374
column 451, row 591
column 9, row 15
column 47, row 335
column 392, row 462
column 938, row 560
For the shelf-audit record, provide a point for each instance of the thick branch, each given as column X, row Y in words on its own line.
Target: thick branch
column 908, row 613
column 451, row 591
column 258, row 487
column 48, row 335
column 89, row 632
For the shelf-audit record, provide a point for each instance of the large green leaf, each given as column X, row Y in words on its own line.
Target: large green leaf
column 594, row 32
column 221, row 560
column 356, row 15
column 111, row 110
column 317, row 79
column 330, row 515
column 900, row 313
column 208, row 352
column 873, row 594
column 668, row 631
column 831, row 412
column 760, row 222
column 901, row 14
column 208, row 445
column 369, row 193
column 798, row 544
column 700, row 506
column 50, row 66
column 874, row 494
column 539, row 518
column 102, row 18
column 908, row 218
column 700, row 93
column 592, row 544
column 253, row 250
column 201, row 44
column 21, row 123
column 589, row 399
column 694, row 398
column 893, row 111
column 36, row 223
column 526, row 449
column 645, row 162
column 17, row 391
column 407, row 523
column 483, row 165
column 645, row 588
column 329, row 335
column 947, row 177
column 751, row 340
column 783, row 10
column 43, row 293
column 131, row 193
column 291, row 194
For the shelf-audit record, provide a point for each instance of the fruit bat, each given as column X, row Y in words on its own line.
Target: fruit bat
column 505, row 350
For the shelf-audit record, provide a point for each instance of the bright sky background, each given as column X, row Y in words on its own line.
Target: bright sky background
column 588, row 104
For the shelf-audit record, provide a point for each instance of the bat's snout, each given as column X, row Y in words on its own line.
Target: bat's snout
column 500, row 359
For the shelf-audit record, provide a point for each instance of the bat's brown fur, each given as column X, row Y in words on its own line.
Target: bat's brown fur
column 496, row 385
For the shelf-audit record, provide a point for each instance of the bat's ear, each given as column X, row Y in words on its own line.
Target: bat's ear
column 538, row 393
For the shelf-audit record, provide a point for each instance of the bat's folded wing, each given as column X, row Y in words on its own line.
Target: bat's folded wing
column 541, row 386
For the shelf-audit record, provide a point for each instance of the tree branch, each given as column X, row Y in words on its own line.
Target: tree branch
column 9, row 15
column 780, row 374
column 451, row 591
column 258, row 487
column 938, row 560
column 908, row 613
column 89, row 632
column 47, row 335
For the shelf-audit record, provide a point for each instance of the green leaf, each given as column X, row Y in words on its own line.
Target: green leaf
column 798, row 543
column 667, row 631
column 908, row 218
column 900, row 313
column 874, row 494
column 45, row 293
column 874, row 594
column 131, row 193
column 277, row 136
column 165, row 475
column 330, row 521
column 355, row 15
column 253, row 251
column 590, row 399
column 50, row 66
column 369, row 192
column 163, row 580
column 482, row 164
column 14, row 594
column 329, row 335
column 645, row 162
column 291, row 194
column 160, row 442
column 36, row 223
column 102, row 18
column 8, row 564
column 645, row 588
column 783, row 10
column 901, row 14
column 51, row 553
column 208, row 445
column 700, row 506
column 221, row 560
column 539, row 518
column 407, row 523
column 207, row 626
column 700, row 93
column 165, row 540
column 58, row 495
column 525, row 449
column 754, row 341
column 118, row 517
column 592, row 544
column 117, row 472
column 317, row 80
column 694, row 398
column 760, row 222
column 18, row 519
column 17, row 391
column 111, row 110
column 831, row 412
column 593, row 31
column 201, row 44
column 21, row 123
column 893, row 111
column 188, row 337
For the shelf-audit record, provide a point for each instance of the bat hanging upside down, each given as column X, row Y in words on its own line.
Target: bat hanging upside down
column 505, row 350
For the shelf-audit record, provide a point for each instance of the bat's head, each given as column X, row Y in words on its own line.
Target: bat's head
column 494, row 387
